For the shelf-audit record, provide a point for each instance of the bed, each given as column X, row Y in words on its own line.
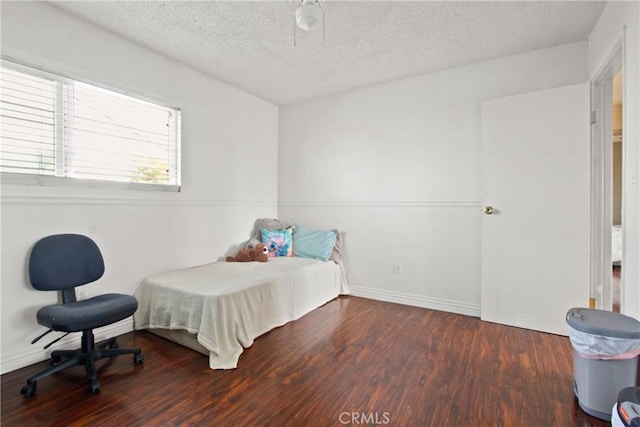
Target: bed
column 616, row 245
column 219, row 308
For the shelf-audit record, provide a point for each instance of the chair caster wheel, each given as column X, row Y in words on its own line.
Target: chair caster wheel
column 138, row 359
column 55, row 360
column 28, row 390
column 114, row 345
column 94, row 386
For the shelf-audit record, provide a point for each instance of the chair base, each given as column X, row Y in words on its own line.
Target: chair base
column 87, row 355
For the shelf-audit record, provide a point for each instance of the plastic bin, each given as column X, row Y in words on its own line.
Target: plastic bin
column 606, row 346
column 626, row 412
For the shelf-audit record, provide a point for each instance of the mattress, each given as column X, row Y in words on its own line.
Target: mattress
column 227, row 305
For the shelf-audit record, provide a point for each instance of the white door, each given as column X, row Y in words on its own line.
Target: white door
column 535, row 175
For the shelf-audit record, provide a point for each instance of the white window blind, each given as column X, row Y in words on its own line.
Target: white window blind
column 51, row 125
column 28, row 123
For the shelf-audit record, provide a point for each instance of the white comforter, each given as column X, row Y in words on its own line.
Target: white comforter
column 616, row 243
column 228, row 304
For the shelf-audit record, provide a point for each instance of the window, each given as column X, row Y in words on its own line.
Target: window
column 57, row 127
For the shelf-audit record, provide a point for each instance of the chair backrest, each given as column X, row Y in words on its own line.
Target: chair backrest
column 64, row 261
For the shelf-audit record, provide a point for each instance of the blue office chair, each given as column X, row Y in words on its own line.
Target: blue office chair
column 61, row 263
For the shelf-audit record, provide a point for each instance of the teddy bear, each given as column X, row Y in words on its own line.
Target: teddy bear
column 257, row 253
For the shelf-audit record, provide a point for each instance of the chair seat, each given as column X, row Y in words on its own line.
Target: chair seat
column 90, row 313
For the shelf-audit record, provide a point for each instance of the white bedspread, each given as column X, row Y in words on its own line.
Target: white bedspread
column 229, row 304
column 616, row 244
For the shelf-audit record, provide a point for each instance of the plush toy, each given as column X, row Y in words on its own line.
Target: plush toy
column 257, row 253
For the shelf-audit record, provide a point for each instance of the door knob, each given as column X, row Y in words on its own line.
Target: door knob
column 488, row 210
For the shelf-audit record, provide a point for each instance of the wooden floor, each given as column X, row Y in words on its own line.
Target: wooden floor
column 351, row 362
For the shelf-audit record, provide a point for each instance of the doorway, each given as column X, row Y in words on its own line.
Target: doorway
column 607, row 192
column 616, row 194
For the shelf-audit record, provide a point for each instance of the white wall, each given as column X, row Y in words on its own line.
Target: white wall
column 226, row 136
column 621, row 20
column 396, row 166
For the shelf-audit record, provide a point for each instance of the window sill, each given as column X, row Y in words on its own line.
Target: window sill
column 53, row 181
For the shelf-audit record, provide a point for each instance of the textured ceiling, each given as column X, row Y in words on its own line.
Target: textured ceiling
column 250, row 44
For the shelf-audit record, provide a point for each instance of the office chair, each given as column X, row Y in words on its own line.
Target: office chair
column 61, row 263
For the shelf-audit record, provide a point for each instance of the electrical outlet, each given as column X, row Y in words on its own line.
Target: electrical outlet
column 81, row 294
column 396, row 268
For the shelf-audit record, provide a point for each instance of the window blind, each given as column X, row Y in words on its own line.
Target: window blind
column 28, row 123
column 65, row 128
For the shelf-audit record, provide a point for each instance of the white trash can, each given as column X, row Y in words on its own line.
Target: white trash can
column 606, row 346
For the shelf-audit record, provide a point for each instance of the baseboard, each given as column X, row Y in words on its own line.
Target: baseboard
column 417, row 301
column 36, row 354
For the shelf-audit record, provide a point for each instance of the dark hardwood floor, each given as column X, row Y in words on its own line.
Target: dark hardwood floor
column 351, row 362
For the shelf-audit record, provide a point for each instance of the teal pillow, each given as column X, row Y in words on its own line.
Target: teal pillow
column 278, row 242
column 313, row 244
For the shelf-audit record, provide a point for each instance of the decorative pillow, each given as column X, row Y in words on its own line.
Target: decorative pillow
column 271, row 224
column 313, row 244
column 336, row 254
column 278, row 242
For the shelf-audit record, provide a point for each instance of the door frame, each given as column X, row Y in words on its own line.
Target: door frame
column 601, row 287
